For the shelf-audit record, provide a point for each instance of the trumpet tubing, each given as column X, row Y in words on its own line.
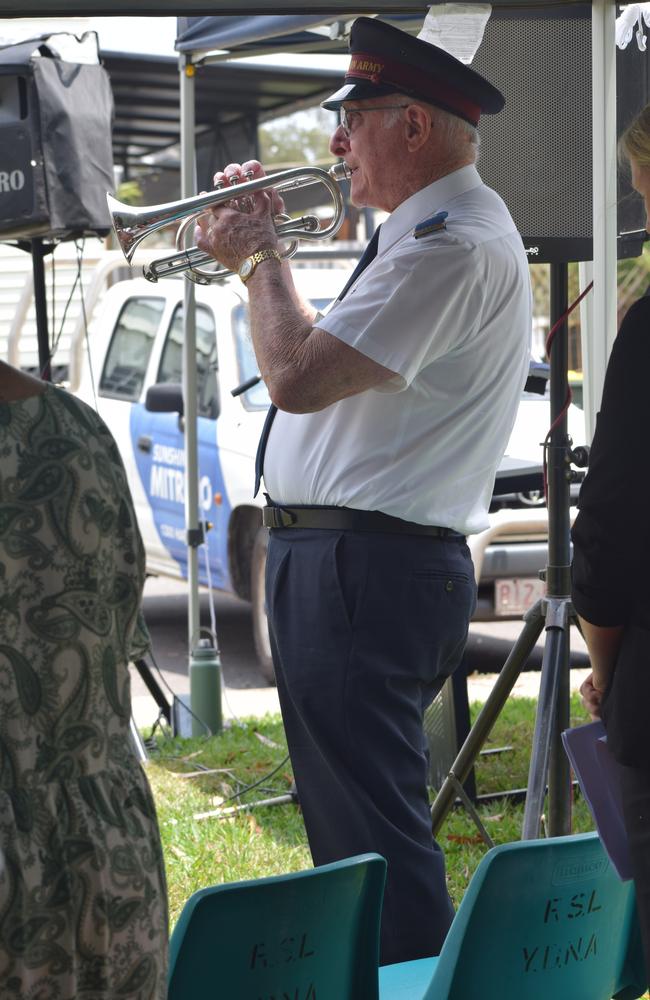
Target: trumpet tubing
column 133, row 225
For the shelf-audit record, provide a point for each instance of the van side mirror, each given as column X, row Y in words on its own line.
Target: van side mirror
column 165, row 397
column 214, row 405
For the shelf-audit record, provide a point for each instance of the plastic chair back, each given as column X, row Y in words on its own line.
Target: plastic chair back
column 304, row 936
column 543, row 919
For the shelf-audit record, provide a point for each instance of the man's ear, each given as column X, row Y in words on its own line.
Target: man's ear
column 418, row 126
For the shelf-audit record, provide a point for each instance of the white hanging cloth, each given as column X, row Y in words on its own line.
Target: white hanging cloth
column 635, row 15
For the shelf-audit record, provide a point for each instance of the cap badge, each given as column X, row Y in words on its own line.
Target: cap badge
column 366, row 66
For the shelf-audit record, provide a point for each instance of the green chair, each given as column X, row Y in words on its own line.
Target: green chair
column 311, row 935
column 541, row 920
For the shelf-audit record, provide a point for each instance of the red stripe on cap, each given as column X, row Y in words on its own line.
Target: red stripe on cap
column 378, row 70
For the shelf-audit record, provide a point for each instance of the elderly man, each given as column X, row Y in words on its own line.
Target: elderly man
column 393, row 412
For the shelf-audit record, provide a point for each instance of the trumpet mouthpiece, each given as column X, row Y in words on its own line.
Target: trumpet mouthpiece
column 340, row 171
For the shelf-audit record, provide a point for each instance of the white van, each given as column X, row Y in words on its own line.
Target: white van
column 136, row 340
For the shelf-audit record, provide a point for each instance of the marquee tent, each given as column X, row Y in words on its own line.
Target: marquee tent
column 243, row 27
column 324, row 8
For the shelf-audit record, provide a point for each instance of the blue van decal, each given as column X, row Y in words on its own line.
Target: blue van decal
column 161, row 467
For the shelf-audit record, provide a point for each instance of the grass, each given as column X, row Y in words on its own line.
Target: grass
column 269, row 839
column 248, row 844
column 497, row 772
column 266, row 840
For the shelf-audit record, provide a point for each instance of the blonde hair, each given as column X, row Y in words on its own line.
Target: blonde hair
column 634, row 144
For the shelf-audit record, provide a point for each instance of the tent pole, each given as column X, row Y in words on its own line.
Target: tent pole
column 597, row 342
column 188, row 186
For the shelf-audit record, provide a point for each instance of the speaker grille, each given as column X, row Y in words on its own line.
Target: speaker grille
column 441, row 736
column 537, row 152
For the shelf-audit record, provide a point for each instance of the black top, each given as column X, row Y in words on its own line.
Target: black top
column 611, row 534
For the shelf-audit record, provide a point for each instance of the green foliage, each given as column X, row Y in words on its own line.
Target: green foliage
column 633, row 280
column 129, row 192
column 298, row 139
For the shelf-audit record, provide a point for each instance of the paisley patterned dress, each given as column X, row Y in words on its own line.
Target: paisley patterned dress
column 83, row 913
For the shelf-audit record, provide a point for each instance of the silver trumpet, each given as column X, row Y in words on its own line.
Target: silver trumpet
column 132, row 225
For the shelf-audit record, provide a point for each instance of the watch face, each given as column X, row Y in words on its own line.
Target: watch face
column 246, row 269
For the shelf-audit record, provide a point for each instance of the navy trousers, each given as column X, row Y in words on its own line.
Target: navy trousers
column 365, row 628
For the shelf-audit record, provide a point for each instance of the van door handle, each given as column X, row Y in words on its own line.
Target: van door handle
column 145, row 442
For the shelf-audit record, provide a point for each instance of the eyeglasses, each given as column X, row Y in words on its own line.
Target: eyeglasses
column 349, row 116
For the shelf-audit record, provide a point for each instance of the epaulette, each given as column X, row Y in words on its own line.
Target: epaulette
column 432, row 225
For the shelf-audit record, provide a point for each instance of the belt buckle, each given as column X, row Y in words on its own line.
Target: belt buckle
column 277, row 517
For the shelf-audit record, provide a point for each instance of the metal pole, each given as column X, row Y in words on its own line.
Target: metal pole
column 188, row 188
column 604, row 293
column 204, row 666
column 558, row 574
column 544, row 737
column 471, row 748
column 40, row 304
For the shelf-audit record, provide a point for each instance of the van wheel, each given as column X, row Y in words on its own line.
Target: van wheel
column 258, row 600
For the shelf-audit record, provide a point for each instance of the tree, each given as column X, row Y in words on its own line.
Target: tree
column 297, row 139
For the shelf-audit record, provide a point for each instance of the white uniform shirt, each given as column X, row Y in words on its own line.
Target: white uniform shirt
column 450, row 313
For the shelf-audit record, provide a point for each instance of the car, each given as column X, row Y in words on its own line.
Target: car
column 512, row 554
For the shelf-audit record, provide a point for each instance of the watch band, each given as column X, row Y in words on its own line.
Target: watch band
column 247, row 268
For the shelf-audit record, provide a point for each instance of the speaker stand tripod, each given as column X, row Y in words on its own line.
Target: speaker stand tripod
column 549, row 765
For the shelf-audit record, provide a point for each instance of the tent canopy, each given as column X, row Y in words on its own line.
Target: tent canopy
column 247, row 36
column 69, row 8
column 228, row 97
column 197, row 34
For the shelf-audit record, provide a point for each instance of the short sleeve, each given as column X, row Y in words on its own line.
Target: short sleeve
column 412, row 307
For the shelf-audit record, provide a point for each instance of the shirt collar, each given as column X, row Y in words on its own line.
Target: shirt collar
column 425, row 202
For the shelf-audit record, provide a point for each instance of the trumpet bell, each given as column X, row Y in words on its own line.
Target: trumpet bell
column 126, row 226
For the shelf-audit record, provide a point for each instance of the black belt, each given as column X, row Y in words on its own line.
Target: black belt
column 347, row 519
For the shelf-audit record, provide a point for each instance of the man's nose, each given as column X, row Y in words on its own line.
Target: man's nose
column 340, row 142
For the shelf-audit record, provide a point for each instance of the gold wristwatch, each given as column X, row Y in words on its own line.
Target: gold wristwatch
column 249, row 265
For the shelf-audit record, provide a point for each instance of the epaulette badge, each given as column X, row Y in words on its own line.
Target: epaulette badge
column 432, row 225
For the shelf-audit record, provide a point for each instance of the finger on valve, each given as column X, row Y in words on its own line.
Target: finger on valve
column 231, row 176
column 255, row 170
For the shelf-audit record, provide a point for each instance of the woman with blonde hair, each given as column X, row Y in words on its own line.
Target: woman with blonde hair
column 611, row 539
column 83, row 912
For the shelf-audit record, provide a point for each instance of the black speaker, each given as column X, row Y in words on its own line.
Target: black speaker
column 56, row 157
column 537, row 152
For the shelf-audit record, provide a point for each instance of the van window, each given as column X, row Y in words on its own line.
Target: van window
column 257, row 397
column 171, row 363
column 128, row 355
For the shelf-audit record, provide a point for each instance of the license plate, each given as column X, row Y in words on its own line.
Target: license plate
column 516, row 595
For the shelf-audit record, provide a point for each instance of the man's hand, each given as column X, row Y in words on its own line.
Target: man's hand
column 231, row 232
column 591, row 697
column 236, row 173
